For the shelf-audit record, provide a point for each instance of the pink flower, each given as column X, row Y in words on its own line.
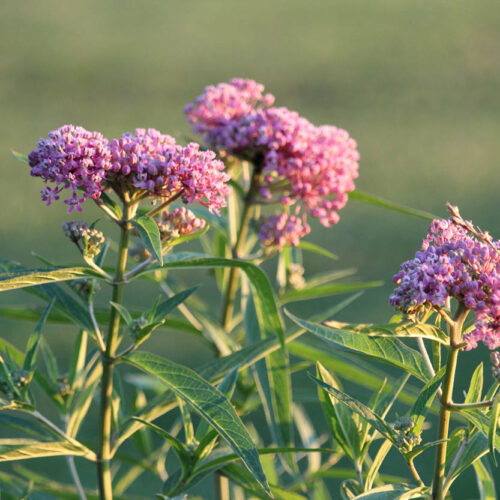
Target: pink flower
column 153, row 162
column 71, row 158
column 454, row 263
column 179, row 222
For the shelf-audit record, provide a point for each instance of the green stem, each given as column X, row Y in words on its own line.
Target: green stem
column 108, row 361
column 446, row 400
column 246, row 217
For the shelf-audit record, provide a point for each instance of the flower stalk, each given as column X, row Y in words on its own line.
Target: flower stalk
column 108, row 362
column 447, row 401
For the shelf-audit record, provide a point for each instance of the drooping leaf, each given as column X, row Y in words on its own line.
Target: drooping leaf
column 208, row 402
column 388, row 350
column 149, row 234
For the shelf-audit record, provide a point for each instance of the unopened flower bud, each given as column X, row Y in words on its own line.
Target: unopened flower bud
column 87, row 239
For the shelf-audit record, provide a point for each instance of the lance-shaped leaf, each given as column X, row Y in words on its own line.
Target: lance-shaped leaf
column 317, row 291
column 37, row 276
column 492, row 430
column 425, row 399
column 273, row 381
column 359, row 408
column 208, row 402
column 167, row 306
column 405, row 329
column 149, row 234
column 21, row 449
column 485, row 481
column 394, row 492
column 311, row 247
column 470, row 451
column 476, row 386
column 389, row 205
column 482, row 422
column 342, row 425
column 388, row 350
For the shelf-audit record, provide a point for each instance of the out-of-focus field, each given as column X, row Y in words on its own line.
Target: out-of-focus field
column 415, row 82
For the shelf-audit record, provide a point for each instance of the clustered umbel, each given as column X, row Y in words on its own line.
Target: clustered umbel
column 495, row 365
column 406, row 439
column 88, row 240
column 178, row 222
column 454, row 263
column 145, row 162
column 311, row 168
column 137, row 325
column 71, row 158
column 19, row 380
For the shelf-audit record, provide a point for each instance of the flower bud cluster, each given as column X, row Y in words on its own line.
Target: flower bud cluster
column 179, row 222
column 147, row 161
column 311, row 167
column 453, row 263
column 19, row 380
column 80, row 233
column 280, row 230
column 406, row 439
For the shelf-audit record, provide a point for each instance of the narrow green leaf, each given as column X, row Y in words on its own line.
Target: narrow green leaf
column 394, row 492
column 314, row 292
column 166, row 307
column 273, row 381
column 470, row 451
column 311, row 247
column 382, row 452
column 476, row 386
column 19, row 156
column 482, row 422
column 425, row 399
column 359, row 408
column 388, row 350
column 492, row 430
column 34, row 340
column 382, row 203
column 342, row 426
column 485, row 481
column 34, row 277
column 113, row 207
column 78, row 360
column 21, row 449
column 208, row 402
column 179, row 448
column 123, row 312
column 405, row 329
column 149, row 234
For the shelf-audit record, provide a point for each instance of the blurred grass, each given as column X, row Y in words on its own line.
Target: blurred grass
column 415, row 82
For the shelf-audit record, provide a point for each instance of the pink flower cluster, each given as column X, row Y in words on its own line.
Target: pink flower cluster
column 454, row 263
column 179, row 222
column 310, row 167
column 145, row 160
column 71, row 158
column 280, row 230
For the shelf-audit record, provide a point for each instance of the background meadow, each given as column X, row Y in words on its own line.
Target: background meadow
column 416, row 83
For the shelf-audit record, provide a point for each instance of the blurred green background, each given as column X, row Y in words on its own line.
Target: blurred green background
column 416, row 83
